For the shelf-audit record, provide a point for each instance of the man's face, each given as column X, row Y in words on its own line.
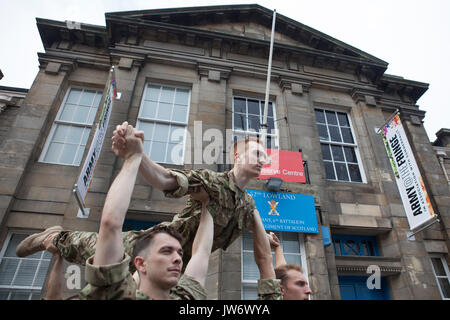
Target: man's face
column 295, row 286
column 253, row 159
column 164, row 262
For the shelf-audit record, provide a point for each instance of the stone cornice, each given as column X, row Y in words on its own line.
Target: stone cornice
column 358, row 265
column 70, row 59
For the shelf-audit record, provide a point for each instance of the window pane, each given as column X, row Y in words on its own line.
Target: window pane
column 92, row 114
column 326, row 153
column 335, row 134
column 355, row 175
column 53, row 152
column 60, row 133
column 291, row 246
column 13, row 243
column 320, row 117
column 20, row 295
column 74, row 96
column 68, row 154
column 161, row 133
column 68, row 112
column 253, row 123
column 84, row 139
column 239, row 105
column 251, row 271
column 253, row 107
column 74, row 135
column 329, row 170
column 445, row 286
column 347, row 135
column 179, row 113
column 341, row 170
column 351, row 248
column 97, row 99
column 158, row 151
column 87, row 98
column 152, row 93
column 26, row 273
column 8, row 268
column 81, row 114
column 164, row 111
column 182, row 97
column 249, row 291
column 343, row 121
column 147, row 146
column 338, row 153
column 291, row 258
column 4, row 294
column 148, row 109
column 438, row 267
column 167, row 95
column 323, row 133
column 270, row 125
column 40, row 278
column 331, row 117
column 247, row 240
column 79, row 155
column 240, row 122
column 350, row 155
column 36, row 296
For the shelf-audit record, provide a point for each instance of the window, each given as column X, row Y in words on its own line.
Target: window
column 70, row 131
column 247, row 119
column 350, row 245
column 440, row 269
column 163, row 116
column 339, row 150
column 294, row 252
column 21, row 278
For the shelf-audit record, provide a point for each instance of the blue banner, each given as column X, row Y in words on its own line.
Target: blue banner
column 290, row 212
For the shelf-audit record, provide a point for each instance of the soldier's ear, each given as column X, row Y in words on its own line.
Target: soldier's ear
column 139, row 263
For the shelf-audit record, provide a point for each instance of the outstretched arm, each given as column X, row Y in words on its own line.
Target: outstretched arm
column 156, row 175
column 197, row 267
column 109, row 247
column 261, row 248
column 277, row 246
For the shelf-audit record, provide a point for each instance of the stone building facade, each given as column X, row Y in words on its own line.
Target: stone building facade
column 209, row 64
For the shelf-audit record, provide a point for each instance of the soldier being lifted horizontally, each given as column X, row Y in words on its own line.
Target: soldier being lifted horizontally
column 230, row 206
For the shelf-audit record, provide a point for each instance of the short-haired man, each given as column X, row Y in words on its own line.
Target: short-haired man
column 294, row 285
column 157, row 254
column 231, row 207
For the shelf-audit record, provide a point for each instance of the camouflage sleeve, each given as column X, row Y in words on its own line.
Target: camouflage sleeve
column 188, row 182
column 188, row 289
column 109, row 282
column 269, row 289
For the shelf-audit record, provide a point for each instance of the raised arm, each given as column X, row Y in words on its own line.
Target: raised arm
column 277, row 246
column 109, row 247
column 156, row 175
column 197, row 266
column 261, row 248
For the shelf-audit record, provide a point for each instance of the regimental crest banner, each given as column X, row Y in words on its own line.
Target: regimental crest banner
column 85, row 178
column 407, row 175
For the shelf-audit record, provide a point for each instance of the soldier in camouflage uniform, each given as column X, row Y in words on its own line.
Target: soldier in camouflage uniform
column 231, row 206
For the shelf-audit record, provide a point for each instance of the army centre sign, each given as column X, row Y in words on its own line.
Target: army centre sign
column 286, row 211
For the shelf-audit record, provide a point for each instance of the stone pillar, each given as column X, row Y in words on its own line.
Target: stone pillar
column 19, row 144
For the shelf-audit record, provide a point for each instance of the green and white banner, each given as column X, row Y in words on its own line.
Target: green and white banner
column 407, row 175
column 85, row 178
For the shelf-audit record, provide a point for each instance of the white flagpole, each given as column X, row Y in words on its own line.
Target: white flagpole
column 269, row 70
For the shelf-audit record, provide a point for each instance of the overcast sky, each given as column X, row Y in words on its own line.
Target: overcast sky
column 413, row 36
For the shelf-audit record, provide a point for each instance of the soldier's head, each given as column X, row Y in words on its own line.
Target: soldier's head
column 158, row 257
column 293, row 283
column 248, row 156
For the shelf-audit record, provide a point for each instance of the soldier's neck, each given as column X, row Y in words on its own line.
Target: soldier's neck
column 240, row 178
column 153, row 291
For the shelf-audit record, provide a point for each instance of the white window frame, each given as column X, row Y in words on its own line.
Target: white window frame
column 342, row 144
column 166, row 122
column 302, row 254
column 255, row 133
column 32, row 289
column 68, row 123
column 447, row 272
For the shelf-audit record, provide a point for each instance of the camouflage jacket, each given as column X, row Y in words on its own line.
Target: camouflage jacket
column 115, row 282
column 231, row 207
column 269, row 289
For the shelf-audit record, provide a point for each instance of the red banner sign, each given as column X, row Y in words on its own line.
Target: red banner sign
column 287, row 165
